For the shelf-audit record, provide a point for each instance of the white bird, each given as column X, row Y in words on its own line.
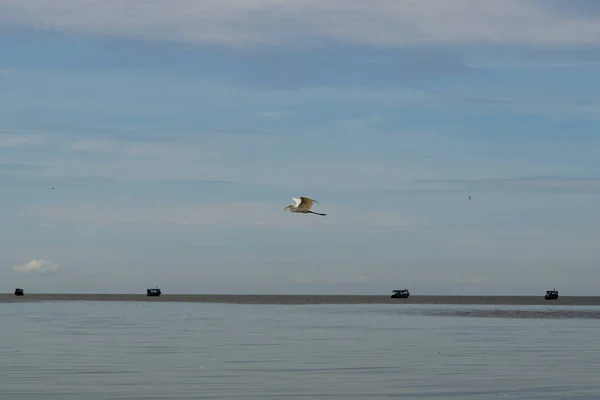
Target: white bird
column 303, row 205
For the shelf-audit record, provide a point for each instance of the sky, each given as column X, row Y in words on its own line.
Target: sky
column 155, row 143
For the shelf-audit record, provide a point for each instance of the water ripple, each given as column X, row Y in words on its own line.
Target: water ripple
column 126, row 351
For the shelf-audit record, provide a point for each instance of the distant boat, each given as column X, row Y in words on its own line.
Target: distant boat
column 19, row 292
column 153, row 292
column 400, row 294
column 551, row 294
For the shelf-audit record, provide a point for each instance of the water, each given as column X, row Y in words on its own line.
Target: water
column 135, row 350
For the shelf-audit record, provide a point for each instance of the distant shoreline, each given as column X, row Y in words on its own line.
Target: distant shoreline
column 310, row 299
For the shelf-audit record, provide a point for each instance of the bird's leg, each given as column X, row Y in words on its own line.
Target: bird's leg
column 312, row 212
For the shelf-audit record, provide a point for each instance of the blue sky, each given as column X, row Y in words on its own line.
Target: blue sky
column 174, row 132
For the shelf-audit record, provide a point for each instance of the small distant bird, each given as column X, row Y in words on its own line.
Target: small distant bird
column 303, row 205
column 469, row 197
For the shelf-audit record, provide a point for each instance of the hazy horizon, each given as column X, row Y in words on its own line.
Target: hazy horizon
column 156, row 143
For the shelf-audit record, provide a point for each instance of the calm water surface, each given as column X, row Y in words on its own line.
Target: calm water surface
column 129, row 350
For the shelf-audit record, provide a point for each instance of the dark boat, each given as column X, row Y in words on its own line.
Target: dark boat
column 400, row 294
column 551, row 294
column 19, row 292
column 153, row 292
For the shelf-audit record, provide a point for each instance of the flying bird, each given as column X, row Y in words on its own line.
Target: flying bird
column 303, row 205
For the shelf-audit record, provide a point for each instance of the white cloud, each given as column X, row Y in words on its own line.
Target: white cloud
column 243, row 22
column 36, row 267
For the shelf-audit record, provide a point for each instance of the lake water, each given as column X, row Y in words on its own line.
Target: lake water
column 135, row 350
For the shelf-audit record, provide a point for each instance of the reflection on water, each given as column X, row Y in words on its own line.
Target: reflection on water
column 495, row 311
column 129, row 350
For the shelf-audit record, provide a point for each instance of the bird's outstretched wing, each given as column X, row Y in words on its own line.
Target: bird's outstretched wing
column 297, row 201
column 306, row 203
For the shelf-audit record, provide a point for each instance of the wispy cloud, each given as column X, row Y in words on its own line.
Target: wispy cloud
column 10, row 140
column 95, row 146
column 320, row 280
column 14, row 167
column 523, row 63
column 225, row 158
column 36, row 266
column 379, row 22
column 525, row 184
column 240, row 215
column 277, row 114
column 125, row 147
column 364, row 122
column 195, row 122
column 469, row 280
column 197, row 145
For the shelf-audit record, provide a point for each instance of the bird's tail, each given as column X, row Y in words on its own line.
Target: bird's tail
column 312, row 212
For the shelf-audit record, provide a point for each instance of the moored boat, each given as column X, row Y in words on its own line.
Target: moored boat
column 400, row 294
column 551, row 294
column 153, row 292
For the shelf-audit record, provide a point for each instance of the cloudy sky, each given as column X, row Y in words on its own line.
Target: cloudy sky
column 174, row 132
